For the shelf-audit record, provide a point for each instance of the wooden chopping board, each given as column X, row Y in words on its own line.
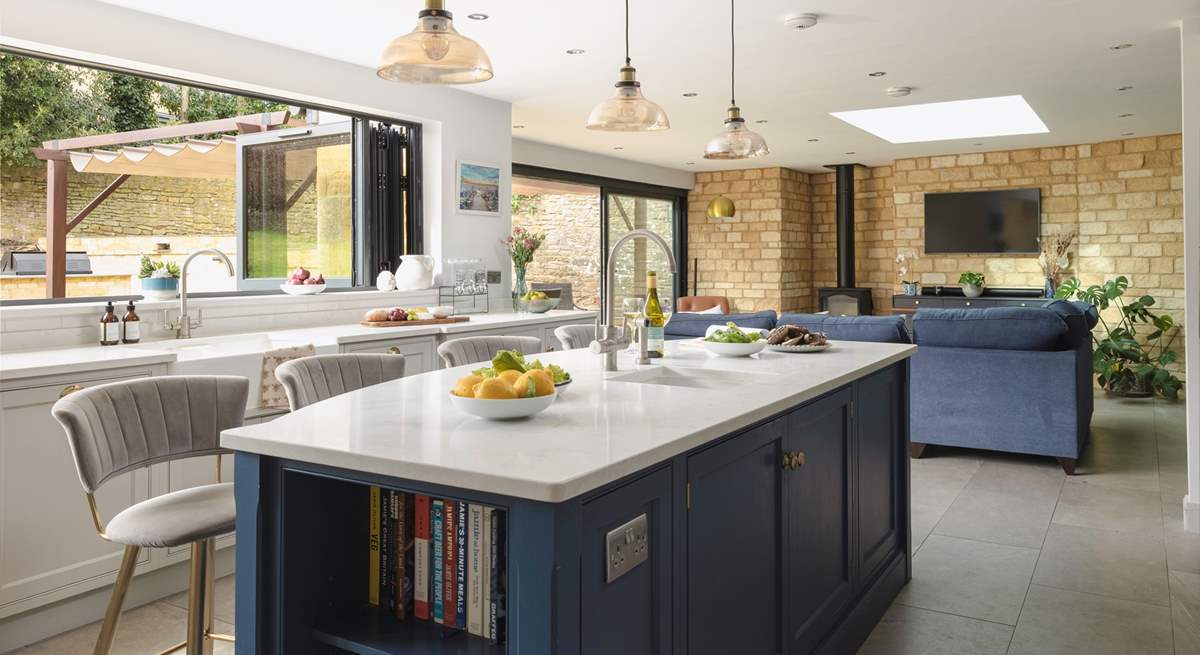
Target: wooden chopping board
column 426, row 321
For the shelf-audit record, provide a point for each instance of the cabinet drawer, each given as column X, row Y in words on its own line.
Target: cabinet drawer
column 916, row 302
column 418, row 353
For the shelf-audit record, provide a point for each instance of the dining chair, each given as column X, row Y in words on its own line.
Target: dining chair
column 575, row 336
column 472, row 350
column 311, row 379
column 118, row 427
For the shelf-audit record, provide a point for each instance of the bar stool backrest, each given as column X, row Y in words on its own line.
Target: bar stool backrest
column 312, row 379
column 473, row 350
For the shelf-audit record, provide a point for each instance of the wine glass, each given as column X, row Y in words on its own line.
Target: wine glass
column 631, row 310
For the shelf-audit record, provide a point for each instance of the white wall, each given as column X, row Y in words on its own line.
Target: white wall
column 456, row 124
column 1190, row 53
column 535, row 153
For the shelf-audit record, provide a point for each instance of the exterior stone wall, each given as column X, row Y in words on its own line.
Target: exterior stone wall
column 571, row 252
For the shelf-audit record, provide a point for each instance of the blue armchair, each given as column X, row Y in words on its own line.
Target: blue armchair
column 1012, row 379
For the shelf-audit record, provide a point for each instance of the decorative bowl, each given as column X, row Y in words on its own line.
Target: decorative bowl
column 735, row 349
column 806, row 348
column 441, row 311
column 503, row 409
column 542, row 305
column 302, row 289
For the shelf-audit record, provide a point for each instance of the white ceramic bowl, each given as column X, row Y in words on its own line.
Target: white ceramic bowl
column 501, row 409
column 302, row 289
column 735, row 349
column 542, row 306
column 441, row 311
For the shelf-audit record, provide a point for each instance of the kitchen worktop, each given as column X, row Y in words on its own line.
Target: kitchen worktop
column 601, row 428
column 16, row 364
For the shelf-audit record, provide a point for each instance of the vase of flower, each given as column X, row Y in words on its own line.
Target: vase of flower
column 521, row 245
column 1051, row 287
column 1055, row 258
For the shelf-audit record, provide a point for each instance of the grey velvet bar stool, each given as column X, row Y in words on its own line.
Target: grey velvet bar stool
column 473, row 350
column 575, row 336
column 311, row 379
column 118, row 427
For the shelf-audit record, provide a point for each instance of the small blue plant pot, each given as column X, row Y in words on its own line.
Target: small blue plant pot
column 160, row 288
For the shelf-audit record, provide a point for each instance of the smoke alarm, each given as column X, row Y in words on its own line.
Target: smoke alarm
column 899, row 91
column 801, row 22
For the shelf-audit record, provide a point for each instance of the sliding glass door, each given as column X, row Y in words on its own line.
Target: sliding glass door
column 628, row 212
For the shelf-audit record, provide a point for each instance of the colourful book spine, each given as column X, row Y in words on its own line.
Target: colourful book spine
column 385, row 549
column 499, row 580
column 450, row 567
column 485, row 573
column 438, row 530
column 404, row 542
column 421, row 556
column 475, row 570
column 373, row 559
column 460, row 566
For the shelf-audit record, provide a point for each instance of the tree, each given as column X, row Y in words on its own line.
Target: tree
column 205, row 105
column 40, row 101
column 131, row 101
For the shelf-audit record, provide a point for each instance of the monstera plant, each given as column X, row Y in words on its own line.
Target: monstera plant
column 1125, row 361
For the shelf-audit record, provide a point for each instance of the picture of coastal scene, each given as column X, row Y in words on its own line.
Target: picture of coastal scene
column 478, row 189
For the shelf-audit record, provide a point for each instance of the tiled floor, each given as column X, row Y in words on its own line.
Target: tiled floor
column 1011, row 555
column 1014, row 557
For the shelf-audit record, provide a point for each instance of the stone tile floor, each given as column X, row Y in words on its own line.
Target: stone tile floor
column 1012, row 556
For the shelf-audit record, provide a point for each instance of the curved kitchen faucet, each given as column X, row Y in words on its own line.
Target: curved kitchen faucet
column 608, row 341
column 183, row 328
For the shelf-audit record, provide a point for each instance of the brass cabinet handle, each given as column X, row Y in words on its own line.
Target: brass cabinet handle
column 793, row 460
column 69, row 389
column 394, row 350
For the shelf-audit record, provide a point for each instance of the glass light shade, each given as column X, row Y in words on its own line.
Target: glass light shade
column 434, row 53
column 628, row 110
column 737, row 141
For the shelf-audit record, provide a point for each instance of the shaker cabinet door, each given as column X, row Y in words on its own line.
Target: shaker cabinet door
column 817, row 498
column 733, row 546
column 881, row 455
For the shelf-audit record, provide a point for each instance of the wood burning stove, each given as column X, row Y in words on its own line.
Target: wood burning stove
column 845, row 299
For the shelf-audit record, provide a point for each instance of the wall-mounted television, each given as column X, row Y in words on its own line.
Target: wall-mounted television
column 983, row 221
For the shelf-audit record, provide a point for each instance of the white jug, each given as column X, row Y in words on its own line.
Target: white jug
column 415, row 272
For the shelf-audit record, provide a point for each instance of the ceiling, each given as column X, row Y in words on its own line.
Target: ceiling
column 1056, row 53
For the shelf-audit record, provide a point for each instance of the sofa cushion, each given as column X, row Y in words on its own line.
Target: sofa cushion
column 1080, row 318
column 1003, row 328
column 686, row 324
column 887, row 329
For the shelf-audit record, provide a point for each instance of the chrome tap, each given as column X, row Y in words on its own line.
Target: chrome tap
column 183, row 327
column 608, row 340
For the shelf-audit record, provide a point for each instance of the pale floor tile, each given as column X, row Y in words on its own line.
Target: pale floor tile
column 223, row 606
column 937, row 485
column 1007, row 502
column 1114, row 468
column 1060, row 622
column 924, row 517
column 146, row 629
column 1109, row 508
column 1185, row 611
column 969, row 578
column 1116, row 564
column 913, row 631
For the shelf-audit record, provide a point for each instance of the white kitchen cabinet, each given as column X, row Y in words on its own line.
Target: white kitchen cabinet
column 419, row 352
column 49, row 549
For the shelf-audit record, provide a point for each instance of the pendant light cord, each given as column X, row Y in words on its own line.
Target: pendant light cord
column 732, row 58
column 626, row 32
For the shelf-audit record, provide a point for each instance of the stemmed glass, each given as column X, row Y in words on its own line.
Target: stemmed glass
column 631, row 310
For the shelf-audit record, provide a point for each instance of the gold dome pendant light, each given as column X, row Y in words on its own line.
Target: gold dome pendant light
column 628, row 110
column 737, row 141
column 721, row 207
column 434, row 53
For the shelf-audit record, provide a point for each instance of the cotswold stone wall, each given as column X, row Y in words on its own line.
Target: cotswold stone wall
column 571, row 252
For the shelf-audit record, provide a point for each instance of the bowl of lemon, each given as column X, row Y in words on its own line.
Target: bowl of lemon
column 510, row 387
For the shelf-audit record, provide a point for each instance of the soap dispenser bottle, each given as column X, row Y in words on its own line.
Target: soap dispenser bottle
column 131, row 325
column 110, row 327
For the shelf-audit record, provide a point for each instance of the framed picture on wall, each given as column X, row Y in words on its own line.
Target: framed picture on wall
column 478, row 189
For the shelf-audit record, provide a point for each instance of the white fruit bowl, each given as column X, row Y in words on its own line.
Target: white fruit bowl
column 302, row 289
column 735, row 349
column 502, row 409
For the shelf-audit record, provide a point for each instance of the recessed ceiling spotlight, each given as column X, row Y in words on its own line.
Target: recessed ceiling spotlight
column 877, row 74
column 800, row 22
column 690, row 94
column 1120, row 46
column 813, row 140
column 691, row 163
column 1127, row 134
column 518, row 127
column 618, row 147
column 1124, row 88
column 761, row 121
column 851, row 152
column 976, row 144
column 898, row 91
column 1124, row 115
column 576, row 51
column 478, row 16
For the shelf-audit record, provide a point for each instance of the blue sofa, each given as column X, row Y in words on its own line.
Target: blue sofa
column 1013, row 379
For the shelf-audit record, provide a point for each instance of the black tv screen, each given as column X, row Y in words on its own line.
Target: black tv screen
column 983, row 221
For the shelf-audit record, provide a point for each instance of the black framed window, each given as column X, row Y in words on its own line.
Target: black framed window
column 389, row 185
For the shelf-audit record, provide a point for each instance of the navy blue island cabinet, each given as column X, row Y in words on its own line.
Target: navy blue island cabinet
column 788, row 537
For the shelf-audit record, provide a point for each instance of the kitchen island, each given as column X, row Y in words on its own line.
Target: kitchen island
column 769, row 495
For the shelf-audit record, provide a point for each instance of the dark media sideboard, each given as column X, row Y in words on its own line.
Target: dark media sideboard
column 953, row 298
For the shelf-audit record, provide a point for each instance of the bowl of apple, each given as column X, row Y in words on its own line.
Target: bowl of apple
column 303, row 283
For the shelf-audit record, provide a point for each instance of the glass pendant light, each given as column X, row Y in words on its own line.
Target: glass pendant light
column 434, row 53
column 737, row 141
column 628, row 110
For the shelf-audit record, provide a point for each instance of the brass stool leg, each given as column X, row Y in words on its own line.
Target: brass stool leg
column 210, row 599
column 108, row 629
column 198, row 600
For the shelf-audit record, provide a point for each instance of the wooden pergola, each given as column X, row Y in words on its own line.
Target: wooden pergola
column 57, row 155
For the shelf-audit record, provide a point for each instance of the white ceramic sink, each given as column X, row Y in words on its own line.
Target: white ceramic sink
column 696, row 378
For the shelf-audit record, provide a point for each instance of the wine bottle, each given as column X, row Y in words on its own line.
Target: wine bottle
column 654, row 316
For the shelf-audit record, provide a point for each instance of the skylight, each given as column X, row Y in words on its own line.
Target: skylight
column 941, row 121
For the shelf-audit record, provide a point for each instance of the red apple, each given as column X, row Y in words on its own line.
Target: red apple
column 313, row 281
column 300, row 273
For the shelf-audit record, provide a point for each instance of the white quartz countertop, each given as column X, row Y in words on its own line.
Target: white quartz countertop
column 597, row 431
column 34, row 363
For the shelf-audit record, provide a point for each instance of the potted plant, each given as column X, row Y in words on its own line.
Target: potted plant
column 521, row 245
column 1127, row 363
column 160, row 280
column 1055, row 259
column 909, row 288
column 972, row 284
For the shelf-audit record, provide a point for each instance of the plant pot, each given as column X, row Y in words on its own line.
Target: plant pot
column 160, row 288
column 910, row 288
column 972, row 291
